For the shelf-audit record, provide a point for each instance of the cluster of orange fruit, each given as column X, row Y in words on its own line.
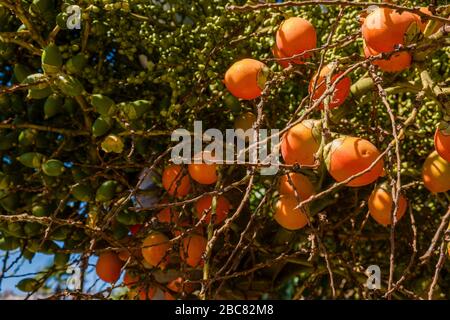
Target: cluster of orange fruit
column 157, row 247
column 383, row 30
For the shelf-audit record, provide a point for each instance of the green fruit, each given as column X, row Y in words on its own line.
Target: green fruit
column 61, row 259
column 15, row 229
column 32, row 229
column 70, row 105
column 27, row 137
column 21, row 72
column 53, row 106
column 53, row 167
column 60, row 234
column 28, row 285
column 9, row 243
column 101, row 126
column 51, row 59
column 5, row 181
column 8, row 141
column 82, row 192
column 28, row 254
column 9, row 202
column 76, row 63
column 40, row 210
column 70, row 86
column 103, row 105
column 61, row 20
column 113, row 143
column 31, row 159
column 106, row 191
column 39, row 87
column 135, row 109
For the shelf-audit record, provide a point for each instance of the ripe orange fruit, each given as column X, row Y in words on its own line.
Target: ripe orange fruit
column 174, row 182
column 295, row 36
column 244, row 122
column 203, row 205
column 300, row 182
column 399, row 61
column 154, row 249
column 108, row 267
column 385, row 28
column 279, row 55
column 301, row 142
column 192, row 249
column 347, row 156
column 287, row 216
column 130, row 280
column 203, row 173
column 442, row 143
column 124, row 255
column 436, row 173
column 381, row 205
column 178, row 286
column 246, row 78
column 341, row 92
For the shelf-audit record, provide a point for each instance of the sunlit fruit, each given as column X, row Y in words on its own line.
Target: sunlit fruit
column 385, row 28
column 301, row 142
column 436, row 173
column 155, row 249
column 204, row 172
column 348, row 156
column 442, row 142
column 298, row 182
column 287, row 215
column 175, row 182
column 381, row 204
column 295, row 36
column 108, row 267
column 340, row 93
column 204, row 206
column 246, row 78
column 192, row 249
column 279, row 55
column 397, row 62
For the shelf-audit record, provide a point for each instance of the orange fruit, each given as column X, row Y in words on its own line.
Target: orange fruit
column 124, row 255
column 192, row 249
column 287, row 216
column 246, row 78
column 137, row 290
column 385, row 28
column 204, row 172
column 295, row 36
column 442, row 143
column 301, row 142
column 244, row 122
column 300, row 182
column 174, row 182
column 341, row 92
column 108, row 267
column 436, row 173
column 381, row 205
column 347, row 156
column 203, row 205
column 399, row 61
column 279, row 55
column 154, row 249
column 178, row 286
